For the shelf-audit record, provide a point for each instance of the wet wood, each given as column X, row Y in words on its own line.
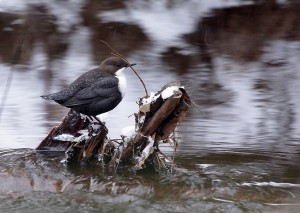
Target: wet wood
column 162, row 123
column 77, row 135
column 83, row 140
column 70, row 125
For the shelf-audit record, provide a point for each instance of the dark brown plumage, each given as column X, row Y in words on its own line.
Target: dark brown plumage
column 96, row 91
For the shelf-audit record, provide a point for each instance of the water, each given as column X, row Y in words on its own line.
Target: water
column 239, row 62
column 213, row 182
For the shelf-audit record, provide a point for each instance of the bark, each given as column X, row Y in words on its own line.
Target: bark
column 77, row 135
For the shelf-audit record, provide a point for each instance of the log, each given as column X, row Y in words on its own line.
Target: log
column 158, row 116
column 152, row 125
column 77, row 135
column 161, row 118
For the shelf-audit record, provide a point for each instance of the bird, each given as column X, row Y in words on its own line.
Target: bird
column 97, row 91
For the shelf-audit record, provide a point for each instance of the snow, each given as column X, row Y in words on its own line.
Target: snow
column 145, row 154
column 148, row 100
column 165, row 94
column 148, row 149
column 142, row 119
column 169, row 91
column 68, row 137
column 84, row 135
column 64, row 137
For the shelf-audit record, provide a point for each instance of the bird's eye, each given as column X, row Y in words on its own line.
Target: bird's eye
column 118, row 65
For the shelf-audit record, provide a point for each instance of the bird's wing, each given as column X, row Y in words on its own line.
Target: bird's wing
column 101, row 89
column 68, row 92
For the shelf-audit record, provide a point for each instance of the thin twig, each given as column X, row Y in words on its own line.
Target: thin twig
column 198, row 107
column 165, row 156
column 175, row 149
column 141, row 81
column 115, row 53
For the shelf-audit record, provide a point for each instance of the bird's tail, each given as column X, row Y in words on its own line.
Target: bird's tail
column 47, row 97
column 54, row 97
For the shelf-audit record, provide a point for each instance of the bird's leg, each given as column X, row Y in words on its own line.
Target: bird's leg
column 100, row 122
column 91, row 118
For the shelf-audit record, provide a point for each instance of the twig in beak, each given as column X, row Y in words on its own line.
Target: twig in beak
column 115, row 53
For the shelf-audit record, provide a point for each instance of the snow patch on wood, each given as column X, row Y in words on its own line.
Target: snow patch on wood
column 148, row 150
column 64, row 137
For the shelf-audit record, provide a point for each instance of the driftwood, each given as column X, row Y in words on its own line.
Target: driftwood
column 82, row 139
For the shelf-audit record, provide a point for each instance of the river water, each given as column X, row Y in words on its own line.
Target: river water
column 239, row 61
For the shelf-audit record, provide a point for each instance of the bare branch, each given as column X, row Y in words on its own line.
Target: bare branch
column 198, row 108
column 115, row 53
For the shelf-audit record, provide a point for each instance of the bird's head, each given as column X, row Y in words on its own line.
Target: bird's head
column 114, row 64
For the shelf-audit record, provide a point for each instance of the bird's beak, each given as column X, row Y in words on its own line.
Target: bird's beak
column 130, row 65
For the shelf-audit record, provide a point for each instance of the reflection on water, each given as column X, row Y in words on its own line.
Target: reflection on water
column 239, row 62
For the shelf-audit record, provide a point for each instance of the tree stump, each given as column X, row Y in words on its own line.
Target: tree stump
column 77, row 135
column 158, row 116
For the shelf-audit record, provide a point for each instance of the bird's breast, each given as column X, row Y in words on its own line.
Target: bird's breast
column 122, row 81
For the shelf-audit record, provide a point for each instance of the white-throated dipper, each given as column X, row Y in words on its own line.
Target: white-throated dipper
column 96, row 91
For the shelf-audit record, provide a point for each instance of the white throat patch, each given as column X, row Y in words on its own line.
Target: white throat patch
column 122, row 80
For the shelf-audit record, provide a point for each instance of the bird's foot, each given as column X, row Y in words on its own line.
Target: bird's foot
column 98, row 121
